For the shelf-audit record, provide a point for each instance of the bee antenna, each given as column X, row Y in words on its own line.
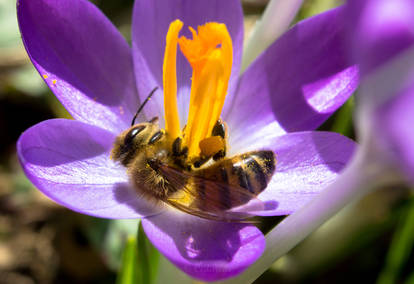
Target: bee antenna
column 143, row 104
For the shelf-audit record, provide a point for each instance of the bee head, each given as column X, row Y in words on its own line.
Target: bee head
column 129, row 142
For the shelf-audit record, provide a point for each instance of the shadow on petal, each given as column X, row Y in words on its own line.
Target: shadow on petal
column 315, row 94
column 306, row 163
column 205, row 240
column 334, row 150
column 205, row 249
column 126, row 196
column 48, row 157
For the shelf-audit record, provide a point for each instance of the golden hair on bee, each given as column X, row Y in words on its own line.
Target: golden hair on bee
column 207, row 187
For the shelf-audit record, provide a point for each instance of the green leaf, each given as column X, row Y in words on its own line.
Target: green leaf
column 128, row 272
column 343, row 120
column 114, row 241
column 148, row 258
column 168, row 273
column 314, row 7
column 139, row 261
column 400, row 248
column 410, row 279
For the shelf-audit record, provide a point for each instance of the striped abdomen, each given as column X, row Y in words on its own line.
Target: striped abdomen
column 247, row 175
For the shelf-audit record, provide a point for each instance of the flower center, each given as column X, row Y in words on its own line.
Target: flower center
column 210, row 54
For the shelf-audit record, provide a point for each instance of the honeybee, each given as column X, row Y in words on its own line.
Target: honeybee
column 208, row 187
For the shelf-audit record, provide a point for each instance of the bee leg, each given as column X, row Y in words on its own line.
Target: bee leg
column 219, row 155
column 201, row 161
column 180, row 153
column 177, row 149
column 176, row 146
column 219, row 129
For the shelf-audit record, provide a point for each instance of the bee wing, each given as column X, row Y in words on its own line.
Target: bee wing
column 204, row 197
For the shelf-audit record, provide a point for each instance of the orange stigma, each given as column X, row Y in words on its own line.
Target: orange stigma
column 210, row 54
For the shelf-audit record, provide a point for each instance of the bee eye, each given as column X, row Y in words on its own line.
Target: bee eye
column 134, row 132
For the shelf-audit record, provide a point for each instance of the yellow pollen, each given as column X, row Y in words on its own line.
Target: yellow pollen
column 45, row 76
column 54, row 82
column 211, row 145
column 210, row 54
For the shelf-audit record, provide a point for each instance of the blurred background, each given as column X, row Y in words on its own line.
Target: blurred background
column 41, row 242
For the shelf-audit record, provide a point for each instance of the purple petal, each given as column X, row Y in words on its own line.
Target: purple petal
column 379, row 30
column 204, row 249
column 306, row 163
column 149, row 29
column 299, row 81
column 69, row 162
column 396, row 120
column 86, row 61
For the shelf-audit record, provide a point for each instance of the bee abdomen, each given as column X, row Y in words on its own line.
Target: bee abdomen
column 244, row 179
column 251, row 171
column 254, row 170
column 264, row 167
column 257, row 171
column 267, row 160
column 224, row 193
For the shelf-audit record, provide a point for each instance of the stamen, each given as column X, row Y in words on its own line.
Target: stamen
column 210, row 54
column 172, row 122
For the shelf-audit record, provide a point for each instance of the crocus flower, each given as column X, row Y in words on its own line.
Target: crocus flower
column 381, row 40
column 294, row 86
